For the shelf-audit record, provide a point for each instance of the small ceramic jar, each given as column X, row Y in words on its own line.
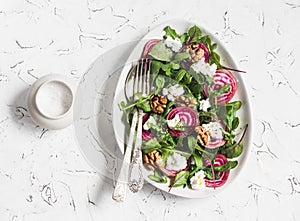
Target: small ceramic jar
column 50, row 101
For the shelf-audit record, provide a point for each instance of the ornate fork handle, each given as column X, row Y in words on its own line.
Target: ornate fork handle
column 121, row 185
column 136, row 179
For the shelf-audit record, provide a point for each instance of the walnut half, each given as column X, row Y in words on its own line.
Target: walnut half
column 203, row 135
column 152, row 158
column 158, row 104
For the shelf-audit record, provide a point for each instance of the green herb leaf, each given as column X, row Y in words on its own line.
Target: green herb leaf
column 150, row 145
column 145, row 106
column 198, row 159
column 160, row 52
column 155, row 67
column 235, row 123
column 214, row 47
column 192, row 142
column 233, row 151
column 181, row 56
column 183, row 38
column 122, row 105
column 180, row 74
column 170, row 32
column 181, row 178
column 159, row 178
column 224, row 89
column 160, row 81
column 227, row 166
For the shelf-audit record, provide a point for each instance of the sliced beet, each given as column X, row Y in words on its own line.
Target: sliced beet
column 206, row 51
column 148, row 46
column 215, row 143
column 188, row 116
column 221, row 78
column 223, row 176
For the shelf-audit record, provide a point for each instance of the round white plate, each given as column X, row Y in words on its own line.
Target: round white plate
column 120, row 126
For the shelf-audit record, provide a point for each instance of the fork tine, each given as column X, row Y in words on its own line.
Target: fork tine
column 148, row 77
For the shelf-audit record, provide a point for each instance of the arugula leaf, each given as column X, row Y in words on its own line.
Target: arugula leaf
column 150, row 145
column 159, row 178
column 155, row 67
column 232, row 122
column 192, row 142
column 160, row 81
column 227, row 166
column 214, row 58
column 145, row 106
column 181, row 179
column 170, row 32
column 198, row 159
column 195, row 34
column 180, row 74
column 169, row 67
column 160, row 52
column 183, row 38
column 122, row 105
column 187, row 78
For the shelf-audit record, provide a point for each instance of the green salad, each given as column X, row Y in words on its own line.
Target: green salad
column 190, row 124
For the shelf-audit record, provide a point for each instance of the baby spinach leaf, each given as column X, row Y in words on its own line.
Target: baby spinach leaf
column 170, row 32
column 181, row 56
column 233, row 151
column 160, row 52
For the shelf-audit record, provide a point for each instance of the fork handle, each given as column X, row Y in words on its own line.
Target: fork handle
column 136, row 179
column 122, row 182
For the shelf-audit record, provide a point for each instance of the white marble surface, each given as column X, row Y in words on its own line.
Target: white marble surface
column 43, row 175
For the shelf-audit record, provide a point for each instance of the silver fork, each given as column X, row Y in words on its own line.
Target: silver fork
column 136, row 179
column 131, row 170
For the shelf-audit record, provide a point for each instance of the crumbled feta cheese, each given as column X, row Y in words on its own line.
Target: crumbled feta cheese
column 173, row 122
column 197, row 181
column 204, row 104
column 204, row 68
column 151, row 121
column 172, row 92
column 176, row 162
column 174, row 44
column 215, row 130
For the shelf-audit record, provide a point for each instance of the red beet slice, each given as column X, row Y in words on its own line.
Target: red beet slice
column 221, row 78
column 188, row 116
column 215, row 143
column 148, row 46
column 206, row 51
column 223, row 176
